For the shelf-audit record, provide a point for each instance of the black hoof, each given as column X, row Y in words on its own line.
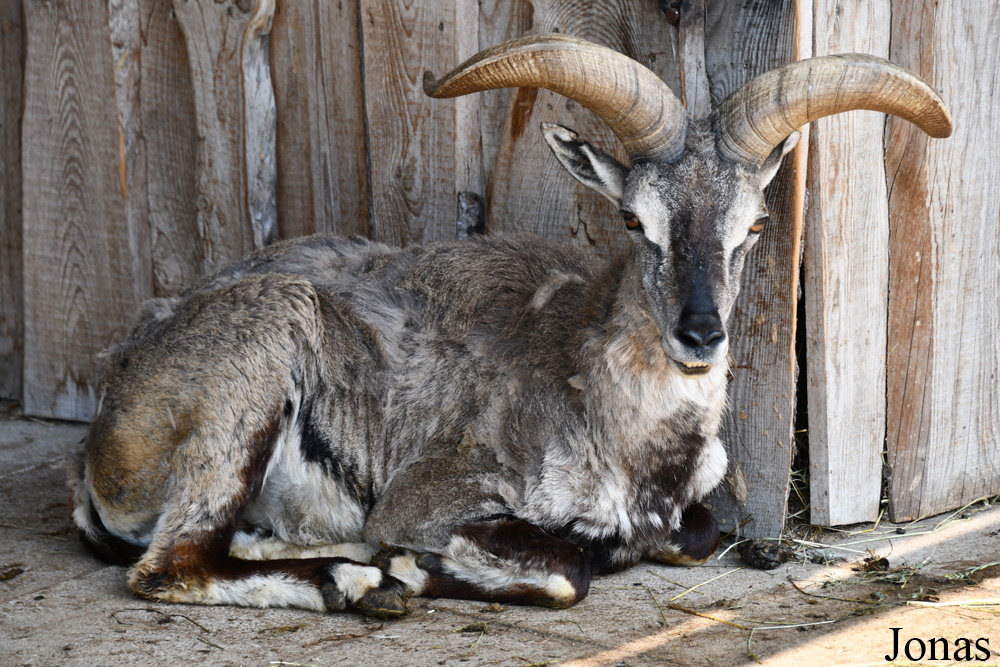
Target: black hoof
column 387, row 601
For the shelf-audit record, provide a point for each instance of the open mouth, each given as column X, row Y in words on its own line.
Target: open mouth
column 693, row 368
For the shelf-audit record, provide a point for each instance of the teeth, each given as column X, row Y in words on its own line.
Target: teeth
column 694, row 364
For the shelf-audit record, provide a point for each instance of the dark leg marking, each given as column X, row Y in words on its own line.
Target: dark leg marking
column 695, row 541
column 502, row 560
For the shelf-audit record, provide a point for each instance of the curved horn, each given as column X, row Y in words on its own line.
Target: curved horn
column 638, row 107
column 762, row 113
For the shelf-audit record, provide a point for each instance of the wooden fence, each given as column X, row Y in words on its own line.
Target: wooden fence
column 144, row 142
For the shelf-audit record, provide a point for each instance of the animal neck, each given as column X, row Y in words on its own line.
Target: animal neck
column 631, row 381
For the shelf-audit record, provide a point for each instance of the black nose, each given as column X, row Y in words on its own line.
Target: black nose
column 700, row 330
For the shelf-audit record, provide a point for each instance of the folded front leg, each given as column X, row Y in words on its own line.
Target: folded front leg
column 496, row 560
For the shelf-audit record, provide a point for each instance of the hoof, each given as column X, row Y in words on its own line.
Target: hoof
column 383, row 557
column 386, row 602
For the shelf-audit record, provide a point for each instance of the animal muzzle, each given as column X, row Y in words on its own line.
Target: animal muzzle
column 699, row 342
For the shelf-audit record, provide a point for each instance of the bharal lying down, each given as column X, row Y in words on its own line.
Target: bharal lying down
column 335, row 424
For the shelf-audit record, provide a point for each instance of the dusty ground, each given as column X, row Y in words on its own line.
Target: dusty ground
column 59, row 606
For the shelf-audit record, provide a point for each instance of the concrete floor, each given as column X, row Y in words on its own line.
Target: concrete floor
column 60, row 606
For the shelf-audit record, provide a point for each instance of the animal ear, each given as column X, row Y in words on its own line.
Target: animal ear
column 595, row 169
column 770, row 166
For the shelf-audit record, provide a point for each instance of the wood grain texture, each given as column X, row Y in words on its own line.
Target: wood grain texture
column 316, row 71
column 943, row 426
column 528, row 193
column 469, row 176
column 125, row 34
column 11, row 264
column 846, row 284
column 412, row 142
column 81, row 286
column 171, row 147
column 229, row 71
column 758, row 429
column 259, row 125
column 691, row 46
column 499, row 20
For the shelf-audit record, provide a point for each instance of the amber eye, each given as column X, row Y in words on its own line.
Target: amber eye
column 631, row 221
column 758, row 226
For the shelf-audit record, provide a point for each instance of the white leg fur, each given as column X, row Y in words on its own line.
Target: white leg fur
column 356, row 580
column 406, row 570
column 247, row 546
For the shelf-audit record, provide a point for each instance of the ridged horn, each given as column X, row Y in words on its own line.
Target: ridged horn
column 756, row 118
column 639, row 108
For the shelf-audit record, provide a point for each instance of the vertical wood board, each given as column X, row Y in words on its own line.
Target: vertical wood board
column 316, row 70
column 411, row 137
column 125, row 34
column 944, row 309
column 228, row 65
column 758, row 427
column 11, row 266
column 499, row 20
column 80, row 284
column 846, row 279
column 171, row 149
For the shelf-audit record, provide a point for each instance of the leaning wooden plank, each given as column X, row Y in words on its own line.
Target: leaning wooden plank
column 11, row 267
column 944, row 267
column 411, row 137
column 846, row 279
column 741, row 43
column 528, row 193
column 82, row 276
column 316, row 64
column 234, row 103
column 171, row 148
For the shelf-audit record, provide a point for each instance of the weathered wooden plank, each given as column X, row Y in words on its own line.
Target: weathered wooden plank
column 11, row 266
column 126, row 41
column 499, row 20
column 846, row 279
column 81, row 282
column 316, row 70
column 171, row 148
column 759, row 426
column 944, row 267
column 468, row 109
column 528, row 192
column 412, row 143
column 235, row 109
column 691, row 47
